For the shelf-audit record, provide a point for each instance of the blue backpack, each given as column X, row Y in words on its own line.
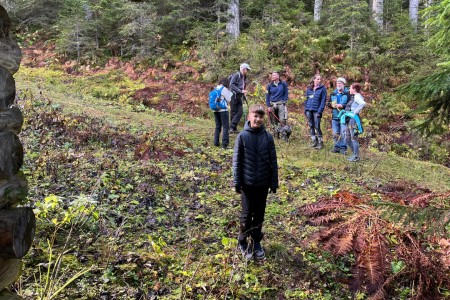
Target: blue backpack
column 215, row 101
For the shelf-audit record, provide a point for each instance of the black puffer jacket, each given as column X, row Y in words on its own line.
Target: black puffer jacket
column 255, row 159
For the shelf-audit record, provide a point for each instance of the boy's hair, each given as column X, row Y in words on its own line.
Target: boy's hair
column 257, row 108
column 225, row 82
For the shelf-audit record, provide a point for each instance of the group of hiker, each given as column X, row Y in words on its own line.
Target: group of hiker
column 255, row 167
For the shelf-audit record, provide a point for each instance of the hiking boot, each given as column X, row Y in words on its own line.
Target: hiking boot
column 343, row 151
column 313, row 143
column 246, row 250
column 319, row 145
column 335, row 150
column 233, row 131
column 259, row 251
column 353, row 158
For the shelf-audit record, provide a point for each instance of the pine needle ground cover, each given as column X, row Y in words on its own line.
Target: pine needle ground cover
column 136, row 204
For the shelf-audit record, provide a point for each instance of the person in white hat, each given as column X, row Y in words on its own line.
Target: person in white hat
column 238, row 87
column 338, row 99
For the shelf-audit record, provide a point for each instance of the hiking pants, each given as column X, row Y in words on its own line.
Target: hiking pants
column 222, row 122
column 314, row 118
column 236, row 110
column 253, row 207
column 338, row 137
column 280, row 110
column 351, row 136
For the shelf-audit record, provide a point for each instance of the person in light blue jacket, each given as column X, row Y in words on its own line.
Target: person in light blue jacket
column 350, row 129
column 338, row 99
column 316, row 97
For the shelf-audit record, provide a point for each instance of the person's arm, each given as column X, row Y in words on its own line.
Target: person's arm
column 323, row 100
column 238, row 157
column 234, row 83
column 273, row 165
column 286, row 92
column 268, row 96
column 361, row 103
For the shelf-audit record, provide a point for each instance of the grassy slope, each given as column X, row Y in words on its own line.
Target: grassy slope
column 376, row 166
column 195, row 211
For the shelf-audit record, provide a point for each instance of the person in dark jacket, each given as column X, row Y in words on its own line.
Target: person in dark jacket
column 316, row 97
column 338, row 99
column 276, row 99
column 255, row 171
column 238, row 87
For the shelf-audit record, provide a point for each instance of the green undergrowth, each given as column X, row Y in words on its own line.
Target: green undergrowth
column 163, row 217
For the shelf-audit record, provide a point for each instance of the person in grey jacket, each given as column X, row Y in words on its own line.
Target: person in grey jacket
column 255, row 171
column 238, row 87
column 349, row 130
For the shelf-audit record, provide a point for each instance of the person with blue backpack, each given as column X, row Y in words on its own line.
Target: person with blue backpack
column 219, row 98
column 338, row 99
column 316, row 97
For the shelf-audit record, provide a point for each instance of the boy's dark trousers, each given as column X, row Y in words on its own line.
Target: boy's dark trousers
column 253, row 205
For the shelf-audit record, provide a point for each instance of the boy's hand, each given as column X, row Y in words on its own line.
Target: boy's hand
column 238, row 189
column 273, row 190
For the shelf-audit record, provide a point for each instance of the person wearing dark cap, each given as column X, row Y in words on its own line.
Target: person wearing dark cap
column 338, row 99
column 238, row 87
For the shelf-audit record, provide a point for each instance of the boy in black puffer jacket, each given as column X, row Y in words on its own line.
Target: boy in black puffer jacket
column 255, row 171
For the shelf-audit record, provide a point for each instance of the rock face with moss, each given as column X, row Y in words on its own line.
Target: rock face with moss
column 17, row 225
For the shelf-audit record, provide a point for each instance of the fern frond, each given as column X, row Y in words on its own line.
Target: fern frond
column 317, row 208
column 324, row 219
column 345, row 243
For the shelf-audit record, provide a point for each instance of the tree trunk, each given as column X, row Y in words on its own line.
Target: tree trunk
column 11, row 154
column 17, row 227
column 9, row 272
column 317, row 9
column 414, row 12
column 7, row 88
column 377, row 9
column 13, row 190
column 11, row 120
column 233, row 25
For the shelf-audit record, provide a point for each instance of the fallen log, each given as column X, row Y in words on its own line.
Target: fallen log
column 13, row 190
column 17, row 227
column 11, row 154
column 11, row 120
column 9, row 271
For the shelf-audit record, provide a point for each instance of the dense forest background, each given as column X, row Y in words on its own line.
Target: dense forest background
column 382, row 44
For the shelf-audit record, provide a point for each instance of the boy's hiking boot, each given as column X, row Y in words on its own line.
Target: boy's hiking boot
column 353, row 158
column 233, row 131
column 259, row 251
column 246, row 250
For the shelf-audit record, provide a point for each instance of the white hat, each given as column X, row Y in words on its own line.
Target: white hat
column 245, row 66
column 342, row 80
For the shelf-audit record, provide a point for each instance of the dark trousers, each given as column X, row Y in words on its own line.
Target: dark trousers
column 253, row 207
column 314, row 123
column 221, row 119
column 236, row 110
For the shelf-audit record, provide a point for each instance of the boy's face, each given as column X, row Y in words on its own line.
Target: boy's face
column 256, row 120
